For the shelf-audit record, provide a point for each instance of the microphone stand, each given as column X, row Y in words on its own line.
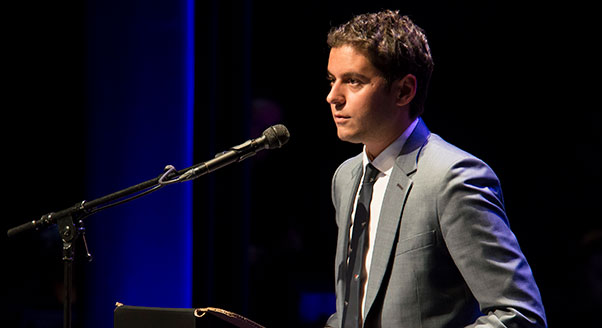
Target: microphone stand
column 70, row 221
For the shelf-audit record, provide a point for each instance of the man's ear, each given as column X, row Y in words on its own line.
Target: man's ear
column 405, row 89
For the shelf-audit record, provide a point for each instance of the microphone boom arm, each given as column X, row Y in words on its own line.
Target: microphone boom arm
column 234, row 154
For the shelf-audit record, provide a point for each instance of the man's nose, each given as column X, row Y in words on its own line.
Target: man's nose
column 335, row 97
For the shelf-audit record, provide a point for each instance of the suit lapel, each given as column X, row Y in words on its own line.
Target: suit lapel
column 390, row 217
column 346, row 209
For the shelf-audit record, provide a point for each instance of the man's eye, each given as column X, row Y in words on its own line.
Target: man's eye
column 354, row 82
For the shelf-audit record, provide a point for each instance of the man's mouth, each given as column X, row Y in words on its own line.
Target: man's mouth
column 338, row 118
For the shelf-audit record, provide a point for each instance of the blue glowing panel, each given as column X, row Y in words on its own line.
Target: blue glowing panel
column 316, row 306
column 140, row 99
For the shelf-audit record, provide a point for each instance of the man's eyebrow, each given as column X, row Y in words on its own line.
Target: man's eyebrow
column 348, row 75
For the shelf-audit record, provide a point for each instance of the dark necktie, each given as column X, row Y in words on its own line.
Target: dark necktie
column 355, row 267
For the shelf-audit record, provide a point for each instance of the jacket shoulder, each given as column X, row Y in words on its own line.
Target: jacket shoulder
column 440, row 155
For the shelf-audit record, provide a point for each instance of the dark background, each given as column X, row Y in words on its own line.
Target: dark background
column 514, row 84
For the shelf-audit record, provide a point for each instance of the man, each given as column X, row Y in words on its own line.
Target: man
column 428, row 243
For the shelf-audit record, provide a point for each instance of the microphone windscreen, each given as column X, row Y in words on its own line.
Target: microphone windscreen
column 276, row 135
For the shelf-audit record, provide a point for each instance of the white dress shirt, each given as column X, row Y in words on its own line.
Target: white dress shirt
column 384, row 163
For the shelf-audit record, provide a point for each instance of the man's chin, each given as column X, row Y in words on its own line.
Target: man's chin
column 348, row 137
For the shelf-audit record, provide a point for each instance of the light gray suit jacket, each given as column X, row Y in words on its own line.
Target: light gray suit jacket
column 444, row 255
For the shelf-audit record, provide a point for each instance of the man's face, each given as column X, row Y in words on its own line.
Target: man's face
column 363, row 108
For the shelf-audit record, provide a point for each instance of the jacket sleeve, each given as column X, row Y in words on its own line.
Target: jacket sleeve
column 478, row 237
column 333, row 320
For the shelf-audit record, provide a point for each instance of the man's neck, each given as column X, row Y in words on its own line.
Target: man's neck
column 374, row 149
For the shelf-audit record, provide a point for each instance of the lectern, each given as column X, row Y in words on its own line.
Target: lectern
column 153, row 317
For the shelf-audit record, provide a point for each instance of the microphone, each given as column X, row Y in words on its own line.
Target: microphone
column 273, row 137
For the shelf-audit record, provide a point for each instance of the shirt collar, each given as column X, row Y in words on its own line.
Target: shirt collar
column 386, row 159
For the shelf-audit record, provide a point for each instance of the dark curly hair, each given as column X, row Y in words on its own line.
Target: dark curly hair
column 394, row 45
